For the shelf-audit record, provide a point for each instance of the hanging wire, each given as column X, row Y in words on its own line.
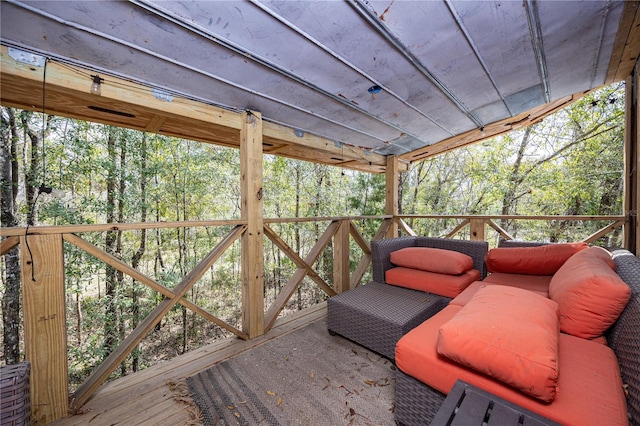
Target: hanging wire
column 42, row 188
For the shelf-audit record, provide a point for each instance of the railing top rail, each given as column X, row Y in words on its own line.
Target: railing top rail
column 66, row 229
column 514, row 217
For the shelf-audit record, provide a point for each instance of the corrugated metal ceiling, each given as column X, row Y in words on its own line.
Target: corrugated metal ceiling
column 389, row 77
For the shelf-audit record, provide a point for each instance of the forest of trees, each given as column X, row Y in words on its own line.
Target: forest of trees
column 569, row 164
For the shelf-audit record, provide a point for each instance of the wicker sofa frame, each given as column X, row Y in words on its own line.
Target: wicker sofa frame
column 417, row 403
column 376, row 315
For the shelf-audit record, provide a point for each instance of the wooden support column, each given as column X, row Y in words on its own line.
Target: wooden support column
column 477, row 229
column 341, row 270
column 392, row 183
column 632, row 162
column 45, row 329
column 252, row 212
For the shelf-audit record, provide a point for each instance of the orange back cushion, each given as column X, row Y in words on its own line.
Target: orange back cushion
column 590, row 295
column 540, row 260
column 507, row 333
column 440, row 261
column 441, row 284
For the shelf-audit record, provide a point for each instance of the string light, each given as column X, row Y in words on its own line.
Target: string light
column 95, row 85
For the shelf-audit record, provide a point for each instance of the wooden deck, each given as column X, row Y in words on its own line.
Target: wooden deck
column 145, row 398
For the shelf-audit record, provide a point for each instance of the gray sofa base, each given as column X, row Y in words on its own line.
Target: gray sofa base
column 377, row 315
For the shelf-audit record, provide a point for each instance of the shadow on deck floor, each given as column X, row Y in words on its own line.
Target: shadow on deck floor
column 321, row 380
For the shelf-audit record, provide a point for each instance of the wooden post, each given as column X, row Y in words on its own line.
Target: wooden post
column 341, row 270
column 252, row 212
column 476, row 229
column 392, row 183
column 45, row 330
column 631, row 178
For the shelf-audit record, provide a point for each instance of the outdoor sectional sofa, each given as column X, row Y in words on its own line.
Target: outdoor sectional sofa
column 568, row 369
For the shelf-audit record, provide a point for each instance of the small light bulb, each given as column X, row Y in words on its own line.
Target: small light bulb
column 95, row 86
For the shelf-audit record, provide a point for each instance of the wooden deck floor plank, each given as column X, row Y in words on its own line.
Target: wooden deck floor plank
column 146, row 395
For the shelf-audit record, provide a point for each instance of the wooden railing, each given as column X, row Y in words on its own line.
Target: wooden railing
column 43, row 285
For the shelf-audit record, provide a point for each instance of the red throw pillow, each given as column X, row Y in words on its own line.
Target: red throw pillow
column 590, row 295
column 540, row 260
column 430, row 259
column 509, row 334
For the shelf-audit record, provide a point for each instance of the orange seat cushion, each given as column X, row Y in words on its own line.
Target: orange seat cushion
column 430, row 259
column 444, row 285
column 590, row 295
column 589, row 392
column 507, row 333
column 538, row 284
column 540, row 260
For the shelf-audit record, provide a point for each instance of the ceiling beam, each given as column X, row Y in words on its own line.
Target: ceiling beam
column 494, row 129
column 626, row 48
column 126, row 104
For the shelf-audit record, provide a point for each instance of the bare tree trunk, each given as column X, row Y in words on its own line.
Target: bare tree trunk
column 135, row 260
column 8, row 193
column 110, row 323
column 122, row 186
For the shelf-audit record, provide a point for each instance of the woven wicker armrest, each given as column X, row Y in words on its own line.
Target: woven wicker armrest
column 624, row 336
column 381, row 252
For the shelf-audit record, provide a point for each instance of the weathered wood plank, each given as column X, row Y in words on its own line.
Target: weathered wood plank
column 110, row 403
column 7, row 244
column 45, row 327
column 252, row 207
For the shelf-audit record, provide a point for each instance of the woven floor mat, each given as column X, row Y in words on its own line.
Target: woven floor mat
column 304, row 378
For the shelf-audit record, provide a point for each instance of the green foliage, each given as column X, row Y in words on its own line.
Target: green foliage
column 570, row 163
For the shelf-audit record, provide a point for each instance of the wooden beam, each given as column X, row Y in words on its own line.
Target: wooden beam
column 291, row 254
column 458, row 228
column 100, row 374
column 252, row 207
column 392, row 193
column 341, row 267
column 626, row 47
column 127, row 104
column 405, row 227
column 631, row 196
column 477, row 230
column 604, row 231
column 287, row 291
column 8, row 243
column 45, row 326
column 499, row 229
column 524, row 119
column 138, row 276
